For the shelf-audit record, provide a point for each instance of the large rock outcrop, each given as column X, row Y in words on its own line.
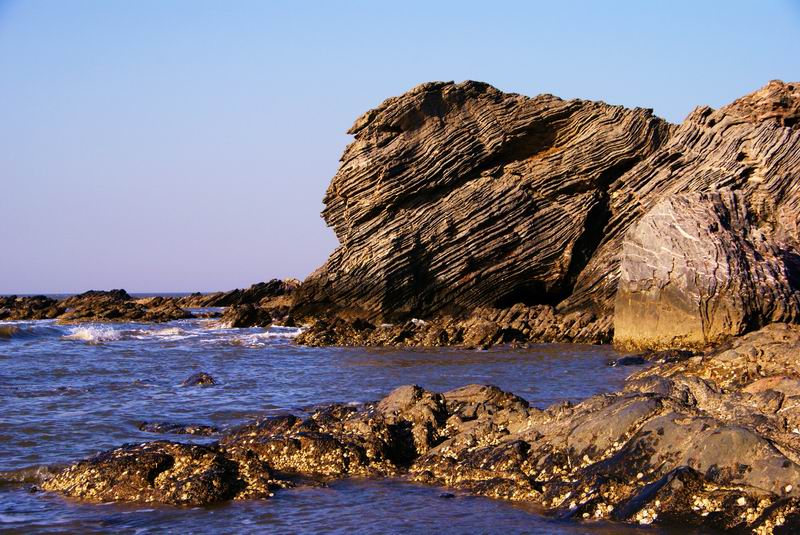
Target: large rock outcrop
column 458, row 196
column 695, row 270
column 454, row 196
column 709, row 440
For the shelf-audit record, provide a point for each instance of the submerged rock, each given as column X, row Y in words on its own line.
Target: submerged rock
column 174, row 428
column 708, row 440
column 199, row 379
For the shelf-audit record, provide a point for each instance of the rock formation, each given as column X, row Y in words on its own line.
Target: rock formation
column 117, row 306
column 458, row 196
column 708, row 440
column 37, row 307
column 455, row 196
column 255, row 294
column 696, row 270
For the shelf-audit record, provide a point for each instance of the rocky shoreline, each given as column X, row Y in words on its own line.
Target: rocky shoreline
column 709, row 440
column 470, row 217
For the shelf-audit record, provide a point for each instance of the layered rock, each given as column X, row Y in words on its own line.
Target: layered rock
column 484, row 328
column 458, row 196
column 696, row 270
column 739, row 147
column 455, row 196
column 709, row 440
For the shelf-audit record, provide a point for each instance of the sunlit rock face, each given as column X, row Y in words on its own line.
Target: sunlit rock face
column 458, row 196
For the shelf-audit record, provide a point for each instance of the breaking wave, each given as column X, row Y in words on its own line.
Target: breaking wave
column 93, row 334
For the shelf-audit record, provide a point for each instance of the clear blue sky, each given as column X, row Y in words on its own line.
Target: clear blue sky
column 162, row 145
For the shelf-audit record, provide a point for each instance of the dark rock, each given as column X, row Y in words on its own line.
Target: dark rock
column 484, row 328
column 117, row 306
column 199, row 379
column 247, row 315
column 38, row 307
column 173, row 428
column 164, row 472
column 255, row 294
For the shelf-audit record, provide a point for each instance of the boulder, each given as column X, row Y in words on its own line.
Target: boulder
column 695, row 270
column 247, row 315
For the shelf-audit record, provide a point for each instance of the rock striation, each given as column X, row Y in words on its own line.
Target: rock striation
column 457, row 196
column 454, row 197
column 709, row 440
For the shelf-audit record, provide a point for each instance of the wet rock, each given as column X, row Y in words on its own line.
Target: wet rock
column 247, row 315
column 482, row 329
column 164, row 472
column 667, row 355
column 707, row 440
column 199, row 379
column 117, row 306
column 173, row 428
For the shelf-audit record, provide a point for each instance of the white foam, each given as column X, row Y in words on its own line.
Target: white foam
column 93, row 334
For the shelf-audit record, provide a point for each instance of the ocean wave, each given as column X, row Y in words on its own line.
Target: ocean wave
column 31, row 474
column 27, row 330
column 8, row 331
column 93, row 334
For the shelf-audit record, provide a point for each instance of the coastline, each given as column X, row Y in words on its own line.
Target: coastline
column 472, row 218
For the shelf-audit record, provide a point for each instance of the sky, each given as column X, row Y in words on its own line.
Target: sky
column 168, row 145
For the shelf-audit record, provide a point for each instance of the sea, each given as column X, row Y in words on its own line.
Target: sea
column 70, row 391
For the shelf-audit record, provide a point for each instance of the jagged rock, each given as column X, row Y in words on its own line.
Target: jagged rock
column 38, row 307
column 253, row 295
column 458, row 196
column 736, row 147
column 696, row 270
column 484, row 328
column 164, row 472
column 246, row 315
column 454, row 196
column 707, row 440
column 118, row 306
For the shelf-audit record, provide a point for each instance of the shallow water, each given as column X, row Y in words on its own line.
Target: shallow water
column 70, row 391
